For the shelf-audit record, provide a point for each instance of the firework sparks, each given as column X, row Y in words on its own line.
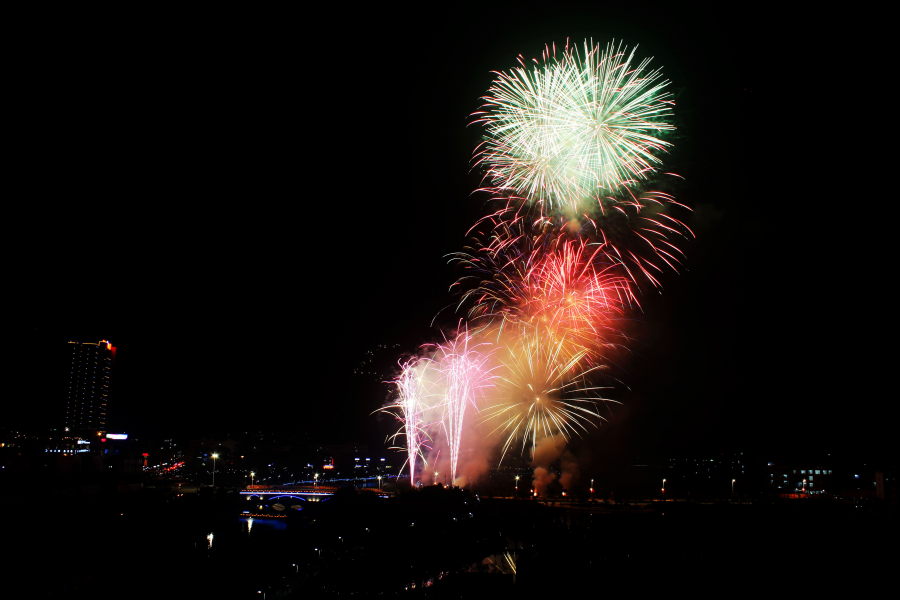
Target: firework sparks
column 574, row 129
column 464, row 377
column 542, row 275
column 631, row 240
column 410, row 409
column 543, row 390
column 412, row 394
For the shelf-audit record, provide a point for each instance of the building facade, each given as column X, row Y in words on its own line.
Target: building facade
column 792, row 478
column 89, row 389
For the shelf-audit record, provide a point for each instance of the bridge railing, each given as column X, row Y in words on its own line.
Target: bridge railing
column 294, row 488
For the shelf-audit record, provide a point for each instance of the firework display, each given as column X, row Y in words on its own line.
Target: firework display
column 465, row 376
column 573, row 130
column 410, row 408
column 544, row 390
column 543, row 272
column 572, row 155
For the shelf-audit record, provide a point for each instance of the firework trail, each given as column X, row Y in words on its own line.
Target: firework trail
column 505, row 563
column 410, row 408
column 465, row 375
column 412, row 390
column 543, row 390
column 571, row 131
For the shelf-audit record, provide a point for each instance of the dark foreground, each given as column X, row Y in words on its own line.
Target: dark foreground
column 441, row 544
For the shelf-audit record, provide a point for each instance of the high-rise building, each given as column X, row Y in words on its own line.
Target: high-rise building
column 90, row 380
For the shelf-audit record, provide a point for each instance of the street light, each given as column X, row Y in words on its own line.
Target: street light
column 592, row 490
column 517, row 486
column 315, row 481
column 214, row 457
column 435, row 478
column 732, row 485
column 251, row 478
column 664, row 490
column 379, row 483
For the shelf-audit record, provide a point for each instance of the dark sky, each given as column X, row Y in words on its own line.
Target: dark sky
column 245, row 204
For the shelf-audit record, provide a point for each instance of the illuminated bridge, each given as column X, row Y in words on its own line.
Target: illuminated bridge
column 316, row 493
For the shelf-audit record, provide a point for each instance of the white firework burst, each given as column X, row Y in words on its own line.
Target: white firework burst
column 574, row 130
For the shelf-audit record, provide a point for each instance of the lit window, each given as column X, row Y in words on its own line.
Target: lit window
column 817, row 471
column 803, row 471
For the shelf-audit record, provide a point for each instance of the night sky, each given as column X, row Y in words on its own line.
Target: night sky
column 247, row 204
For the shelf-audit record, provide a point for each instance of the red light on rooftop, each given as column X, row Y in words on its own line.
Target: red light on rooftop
column 102, row 439
column 145, row 454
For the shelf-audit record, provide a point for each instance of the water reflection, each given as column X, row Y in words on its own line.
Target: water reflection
column 503, row 563
column 248, row 524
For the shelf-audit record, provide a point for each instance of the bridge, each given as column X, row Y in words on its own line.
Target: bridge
column 314, row 493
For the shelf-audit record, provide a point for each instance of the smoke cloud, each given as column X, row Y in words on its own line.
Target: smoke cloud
column 542, row 478
column 570, row 471
column 547, row 450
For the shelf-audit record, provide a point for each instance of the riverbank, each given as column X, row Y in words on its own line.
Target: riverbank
column 433, row 543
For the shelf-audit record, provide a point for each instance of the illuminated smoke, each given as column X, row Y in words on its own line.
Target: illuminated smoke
column 542, row 478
